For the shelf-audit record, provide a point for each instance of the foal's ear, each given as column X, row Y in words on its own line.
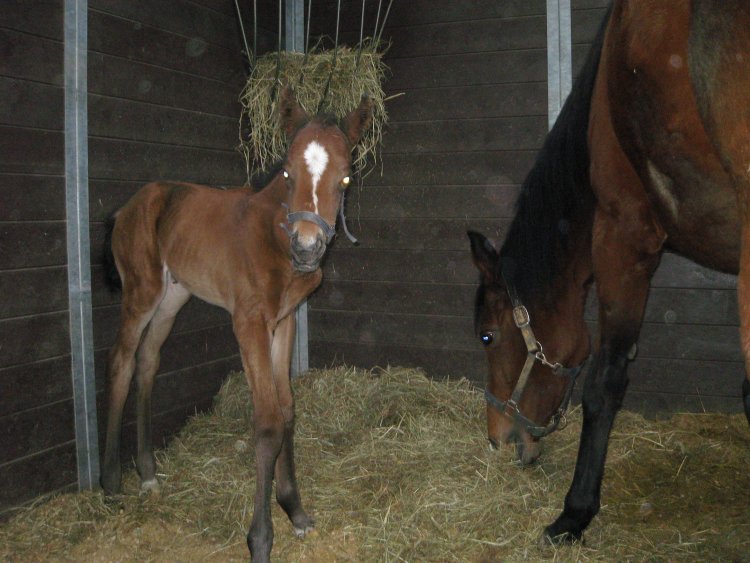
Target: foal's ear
column 355, row 124
column 484, row 254
column 292, row 115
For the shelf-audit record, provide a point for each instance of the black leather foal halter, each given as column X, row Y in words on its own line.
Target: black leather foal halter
column 535, row 354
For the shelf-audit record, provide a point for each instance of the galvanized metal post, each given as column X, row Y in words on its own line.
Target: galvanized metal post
column 294, row 40
column 79, row 267
column 559, row 56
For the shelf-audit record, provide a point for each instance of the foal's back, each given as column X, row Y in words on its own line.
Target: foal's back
column 209, row 240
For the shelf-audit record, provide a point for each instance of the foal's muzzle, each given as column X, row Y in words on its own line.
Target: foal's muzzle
column 306, row 255
column 308, row 251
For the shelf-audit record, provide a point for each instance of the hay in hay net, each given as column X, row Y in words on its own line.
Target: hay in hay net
column 355, row 73
column 394, row 466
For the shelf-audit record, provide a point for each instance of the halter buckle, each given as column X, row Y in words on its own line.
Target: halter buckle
column 521, row 316
column 511, row 405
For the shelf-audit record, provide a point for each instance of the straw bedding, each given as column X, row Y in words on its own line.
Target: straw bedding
column 394, row 467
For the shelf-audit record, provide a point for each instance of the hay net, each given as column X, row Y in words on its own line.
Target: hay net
column 324, row 81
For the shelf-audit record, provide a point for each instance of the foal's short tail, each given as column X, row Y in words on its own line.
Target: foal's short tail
column 111, row 275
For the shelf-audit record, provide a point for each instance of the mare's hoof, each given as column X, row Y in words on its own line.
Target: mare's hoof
column 150, row 486
column 552, row 537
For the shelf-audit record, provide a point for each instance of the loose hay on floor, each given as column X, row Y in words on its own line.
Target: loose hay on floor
column 395, row 467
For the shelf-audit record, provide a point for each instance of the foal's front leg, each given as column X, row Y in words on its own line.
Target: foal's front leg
column 254, row 338
column 287, row 492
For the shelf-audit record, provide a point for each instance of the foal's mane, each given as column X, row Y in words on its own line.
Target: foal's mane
column 555, row 194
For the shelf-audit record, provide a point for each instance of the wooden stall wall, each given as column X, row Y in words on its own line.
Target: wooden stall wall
column 462, row 137
column 164, row 79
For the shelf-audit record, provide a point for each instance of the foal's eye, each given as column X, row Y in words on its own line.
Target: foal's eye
column 345, row 181
column 286, row 174
column 487, row 337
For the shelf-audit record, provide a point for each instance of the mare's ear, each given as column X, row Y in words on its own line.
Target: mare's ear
column 291, row 113
column 484, row 254
column 355, row 124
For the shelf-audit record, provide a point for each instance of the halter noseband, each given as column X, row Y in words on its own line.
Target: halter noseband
column 535, row 353
column 328, row 230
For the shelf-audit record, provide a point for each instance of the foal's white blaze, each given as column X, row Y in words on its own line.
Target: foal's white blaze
column 316, row 159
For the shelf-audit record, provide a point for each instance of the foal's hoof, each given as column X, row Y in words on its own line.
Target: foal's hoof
column 302, row 532
column 111, row 480
column 150, row 486
column 303, row 524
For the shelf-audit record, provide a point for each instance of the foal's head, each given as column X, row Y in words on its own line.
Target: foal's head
column 542, row 337
column 317, row 170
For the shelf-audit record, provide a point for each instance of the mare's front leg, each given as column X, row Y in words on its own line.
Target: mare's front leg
column 626, row 250
column 287, row 492
column 254, row 337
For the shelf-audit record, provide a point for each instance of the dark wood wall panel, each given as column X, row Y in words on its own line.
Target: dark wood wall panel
column 465, row 127
column 164, row 78
column 464, row 130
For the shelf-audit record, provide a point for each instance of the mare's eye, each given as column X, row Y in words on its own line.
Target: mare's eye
column 286, row 174
column 345, row 181
column 487, row 337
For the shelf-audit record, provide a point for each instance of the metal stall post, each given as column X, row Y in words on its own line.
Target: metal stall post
column 559, row 56
column 79, row 267
column 294, row 40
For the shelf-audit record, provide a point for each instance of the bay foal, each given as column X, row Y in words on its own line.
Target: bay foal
column 258, row 256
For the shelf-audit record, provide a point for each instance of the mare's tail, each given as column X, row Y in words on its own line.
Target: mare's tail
column 111, row 275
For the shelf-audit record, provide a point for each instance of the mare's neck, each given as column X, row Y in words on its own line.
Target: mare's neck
column 567, row 301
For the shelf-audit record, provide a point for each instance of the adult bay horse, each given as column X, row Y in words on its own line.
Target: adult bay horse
column 257, row 255
column 650, row 152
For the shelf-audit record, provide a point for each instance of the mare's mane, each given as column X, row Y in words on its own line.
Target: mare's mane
column 555, row 194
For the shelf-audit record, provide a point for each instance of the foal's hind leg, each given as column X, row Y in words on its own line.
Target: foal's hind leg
column 175, row 296
column 287, row 492
column 139, row 301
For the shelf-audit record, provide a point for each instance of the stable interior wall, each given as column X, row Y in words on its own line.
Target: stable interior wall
column 471, row 113
column 164, row 79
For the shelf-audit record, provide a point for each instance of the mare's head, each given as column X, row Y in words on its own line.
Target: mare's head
column 535, row 349
column 317, row 170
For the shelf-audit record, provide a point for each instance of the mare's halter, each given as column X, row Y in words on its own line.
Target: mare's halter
column 535, row 354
